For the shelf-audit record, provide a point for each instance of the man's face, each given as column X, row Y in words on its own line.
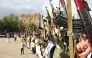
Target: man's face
column 60, row 39
column 84, row 36
column 46, row 38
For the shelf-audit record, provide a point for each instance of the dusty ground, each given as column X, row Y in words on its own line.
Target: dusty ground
column 12, row 49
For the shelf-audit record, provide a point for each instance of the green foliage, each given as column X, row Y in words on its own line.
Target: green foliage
column 22, row 26
column 27, row 27
column 9, row 23
column 31, row 26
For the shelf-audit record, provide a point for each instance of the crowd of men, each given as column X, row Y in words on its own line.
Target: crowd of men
column 46, row 44
column 52, row 43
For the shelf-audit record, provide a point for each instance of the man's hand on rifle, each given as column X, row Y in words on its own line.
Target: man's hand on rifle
column 83, row 48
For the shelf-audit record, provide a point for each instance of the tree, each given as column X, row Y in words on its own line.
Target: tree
column 27, row 27
column 1, row 25
column 22, row 27
column 10, row 23
column 33, row 26
column 30, row 27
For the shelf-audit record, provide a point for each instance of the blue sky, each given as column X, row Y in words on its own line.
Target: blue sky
column 29, row 6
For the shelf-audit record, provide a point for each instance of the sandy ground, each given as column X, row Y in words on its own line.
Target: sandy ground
column 12, row 49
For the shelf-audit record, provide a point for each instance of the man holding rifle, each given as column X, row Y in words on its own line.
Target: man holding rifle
column 85, row 47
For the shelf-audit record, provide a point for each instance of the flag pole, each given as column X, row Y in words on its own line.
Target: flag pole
column 69, row 16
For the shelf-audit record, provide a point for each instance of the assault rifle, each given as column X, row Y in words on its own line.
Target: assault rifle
column 83, row 11
column 52, row 7
column 85, row 21
column 48, row 15
column 62, row 21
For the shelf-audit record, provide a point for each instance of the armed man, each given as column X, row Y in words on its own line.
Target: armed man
column 83, row 48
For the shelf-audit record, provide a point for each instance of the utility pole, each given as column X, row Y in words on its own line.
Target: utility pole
column 69, row 16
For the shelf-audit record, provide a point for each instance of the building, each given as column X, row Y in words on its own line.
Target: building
column 30, row 18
